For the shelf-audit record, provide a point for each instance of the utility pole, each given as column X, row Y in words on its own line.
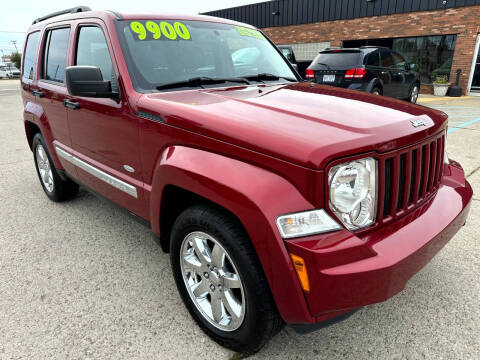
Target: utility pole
column 14, row 42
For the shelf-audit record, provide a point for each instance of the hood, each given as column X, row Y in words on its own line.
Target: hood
column 303, row 123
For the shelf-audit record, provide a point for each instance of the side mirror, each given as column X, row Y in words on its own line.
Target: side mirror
column 87, row 81
column 295, row 66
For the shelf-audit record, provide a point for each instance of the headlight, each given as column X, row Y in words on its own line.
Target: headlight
column 306, row 223
column 353, row 192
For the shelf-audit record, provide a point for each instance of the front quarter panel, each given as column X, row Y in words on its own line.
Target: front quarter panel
column 255, row 196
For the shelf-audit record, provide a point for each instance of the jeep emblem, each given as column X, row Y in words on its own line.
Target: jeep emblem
column 417, row 123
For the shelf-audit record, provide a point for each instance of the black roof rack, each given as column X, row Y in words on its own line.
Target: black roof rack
column 73, row 10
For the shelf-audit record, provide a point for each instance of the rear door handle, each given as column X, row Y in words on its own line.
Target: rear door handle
column 71, row 104
column 38, row 93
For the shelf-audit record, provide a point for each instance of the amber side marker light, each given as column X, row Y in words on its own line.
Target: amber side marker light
column 301, row 270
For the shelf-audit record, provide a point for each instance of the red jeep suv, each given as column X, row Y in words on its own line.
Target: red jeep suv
column 280, row 201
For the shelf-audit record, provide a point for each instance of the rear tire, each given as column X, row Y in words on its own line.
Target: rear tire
column 199, row 235
column 56, row 188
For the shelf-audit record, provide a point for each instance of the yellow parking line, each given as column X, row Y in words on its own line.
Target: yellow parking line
column 443, row 98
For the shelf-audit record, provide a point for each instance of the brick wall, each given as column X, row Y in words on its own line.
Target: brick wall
column 464, row 21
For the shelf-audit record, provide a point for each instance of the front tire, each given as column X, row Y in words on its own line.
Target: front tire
column 220, row 279
column 56, row 188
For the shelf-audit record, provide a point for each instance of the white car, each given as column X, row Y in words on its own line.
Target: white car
column 3, row 72
column 12, row 72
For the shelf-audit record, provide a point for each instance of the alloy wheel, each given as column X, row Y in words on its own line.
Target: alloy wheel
column 212, row 281
column 44, row 168
column 414, row 96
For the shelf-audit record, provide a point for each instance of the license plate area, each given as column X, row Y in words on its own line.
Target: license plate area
column 328, row 78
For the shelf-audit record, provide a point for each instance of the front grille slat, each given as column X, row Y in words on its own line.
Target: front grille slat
column 387, row 185
column 395, row 185
column 381, row 189
column 402, row 180
column 433, row 166
column 440, row 151
column 408, row 178
column 426, row 169
column 418, row 174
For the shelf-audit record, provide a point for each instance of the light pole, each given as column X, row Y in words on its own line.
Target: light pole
column 14, row 42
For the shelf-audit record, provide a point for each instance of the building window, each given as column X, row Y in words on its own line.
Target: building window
column 432, row 54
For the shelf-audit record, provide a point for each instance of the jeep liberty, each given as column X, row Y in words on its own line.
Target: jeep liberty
column 280, row 201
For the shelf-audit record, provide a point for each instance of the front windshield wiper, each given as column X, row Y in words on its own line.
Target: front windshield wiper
column 199, row 81
column 266, row 76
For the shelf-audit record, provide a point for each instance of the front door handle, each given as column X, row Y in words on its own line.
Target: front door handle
column 38, row 93
column 71, row 104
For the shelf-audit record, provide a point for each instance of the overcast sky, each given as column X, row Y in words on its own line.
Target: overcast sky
column 17, row 15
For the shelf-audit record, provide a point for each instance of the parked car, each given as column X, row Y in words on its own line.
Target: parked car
column 377, row 70
column 12, row 72
column 280, row 201
column 3, row 72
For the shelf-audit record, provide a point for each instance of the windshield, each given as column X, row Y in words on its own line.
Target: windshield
column 159, row 53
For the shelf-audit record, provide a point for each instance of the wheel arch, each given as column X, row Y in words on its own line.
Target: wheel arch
column 375, row 82
column 31, row 129
column 174, row 201
column 252, row 195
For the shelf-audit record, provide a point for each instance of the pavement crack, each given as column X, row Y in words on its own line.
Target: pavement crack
column 473, row 171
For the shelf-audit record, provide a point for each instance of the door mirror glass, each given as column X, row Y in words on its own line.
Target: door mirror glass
column 87, row 81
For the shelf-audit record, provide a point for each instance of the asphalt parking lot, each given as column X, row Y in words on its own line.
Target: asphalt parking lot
column 83, row 280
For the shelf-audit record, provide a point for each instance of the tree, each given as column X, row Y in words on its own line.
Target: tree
column 16, row 58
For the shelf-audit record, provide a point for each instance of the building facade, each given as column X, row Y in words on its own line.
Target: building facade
column 438, row 36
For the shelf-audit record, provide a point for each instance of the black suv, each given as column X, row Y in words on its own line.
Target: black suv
column 377, row 70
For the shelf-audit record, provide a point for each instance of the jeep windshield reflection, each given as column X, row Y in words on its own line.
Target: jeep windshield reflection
column 164, row 55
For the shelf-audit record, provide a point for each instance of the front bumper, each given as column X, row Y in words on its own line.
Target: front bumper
column 348, row 271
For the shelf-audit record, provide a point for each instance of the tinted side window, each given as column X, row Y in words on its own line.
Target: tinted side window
column 386, row 58
column 399, row 61
column 372, row 59
column 30, row 56
column 92, row 50
column 56, row 55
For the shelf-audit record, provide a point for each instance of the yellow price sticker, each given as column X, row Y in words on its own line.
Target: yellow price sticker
column 243, row 31
column 160, row 31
